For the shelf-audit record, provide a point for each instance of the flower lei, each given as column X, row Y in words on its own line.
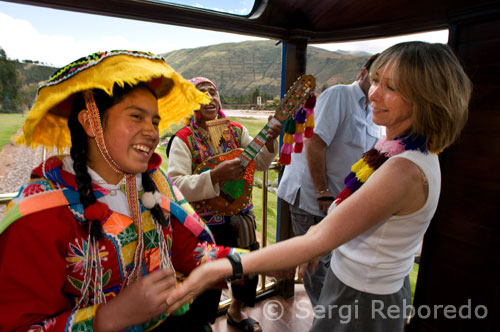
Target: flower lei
column 374, row 158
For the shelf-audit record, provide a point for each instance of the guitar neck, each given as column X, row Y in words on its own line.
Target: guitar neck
column 256, row 145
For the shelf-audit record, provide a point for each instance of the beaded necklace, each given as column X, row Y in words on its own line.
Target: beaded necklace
column 374, row 158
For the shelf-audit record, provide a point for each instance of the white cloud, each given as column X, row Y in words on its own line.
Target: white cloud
column 24, row 42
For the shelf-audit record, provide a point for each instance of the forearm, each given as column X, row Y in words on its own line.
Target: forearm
column 270, row 144
column 194, row 187
column 106, row 321
column 316, row 156
column 297, row 250
column 266, row 156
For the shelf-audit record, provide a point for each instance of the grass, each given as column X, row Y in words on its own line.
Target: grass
column 254, row 126
column 9, row 125
column 413, row 279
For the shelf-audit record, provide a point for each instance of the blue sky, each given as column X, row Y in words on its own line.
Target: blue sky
column 58, row 37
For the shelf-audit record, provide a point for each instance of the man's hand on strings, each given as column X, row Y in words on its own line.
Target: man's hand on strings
column 227, row 170
column 273, row 132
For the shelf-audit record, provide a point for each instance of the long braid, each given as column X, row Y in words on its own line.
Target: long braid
column 78, row 152
column 156, row 210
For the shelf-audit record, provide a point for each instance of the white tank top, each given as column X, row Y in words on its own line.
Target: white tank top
column 378, row 260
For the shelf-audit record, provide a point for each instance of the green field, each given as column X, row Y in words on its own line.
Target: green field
column 9, row 125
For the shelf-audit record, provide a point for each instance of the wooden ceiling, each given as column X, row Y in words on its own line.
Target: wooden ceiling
column 316, row 21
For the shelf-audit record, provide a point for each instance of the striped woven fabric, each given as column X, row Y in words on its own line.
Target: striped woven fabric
column 374, row 158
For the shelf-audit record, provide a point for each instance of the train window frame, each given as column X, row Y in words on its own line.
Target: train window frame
column 257, row 6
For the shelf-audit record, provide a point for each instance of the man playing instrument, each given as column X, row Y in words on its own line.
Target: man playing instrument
column 190, row 147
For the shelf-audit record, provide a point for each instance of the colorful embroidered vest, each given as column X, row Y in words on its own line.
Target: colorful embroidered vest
column 198, row 144
column 200, row 151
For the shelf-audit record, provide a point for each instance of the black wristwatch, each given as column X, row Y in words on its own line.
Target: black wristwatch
column 235, row 261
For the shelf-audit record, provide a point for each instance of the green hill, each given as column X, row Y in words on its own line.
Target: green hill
column 33, row 72
column 236, row 68
column 240, row 68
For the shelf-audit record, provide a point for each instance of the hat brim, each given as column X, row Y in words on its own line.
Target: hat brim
column 46, row 123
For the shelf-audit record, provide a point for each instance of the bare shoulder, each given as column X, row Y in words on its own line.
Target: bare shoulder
column 402, row 168
column 407, row 177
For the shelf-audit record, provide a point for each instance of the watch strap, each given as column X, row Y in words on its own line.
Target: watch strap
column 235, row 261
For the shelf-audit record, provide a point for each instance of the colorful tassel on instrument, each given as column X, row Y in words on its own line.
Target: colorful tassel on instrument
column 295, row 129
column 299, row 142
column 309, row 107
column 287, row 148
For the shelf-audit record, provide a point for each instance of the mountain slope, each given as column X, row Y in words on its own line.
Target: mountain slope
column 240, row 68
column 236, row 68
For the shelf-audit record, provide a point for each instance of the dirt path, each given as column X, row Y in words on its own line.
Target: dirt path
column 16, row 163
column 248, row 113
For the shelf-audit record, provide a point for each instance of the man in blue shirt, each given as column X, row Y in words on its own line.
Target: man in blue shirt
column 343, row 131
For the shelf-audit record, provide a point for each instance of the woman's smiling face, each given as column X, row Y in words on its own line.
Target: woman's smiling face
column 389, row 107
column 131, row 130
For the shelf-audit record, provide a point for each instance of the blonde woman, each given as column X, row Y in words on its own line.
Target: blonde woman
column 420, row 93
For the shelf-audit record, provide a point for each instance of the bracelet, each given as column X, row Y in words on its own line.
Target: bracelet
column 235, row 261
column 319, row 192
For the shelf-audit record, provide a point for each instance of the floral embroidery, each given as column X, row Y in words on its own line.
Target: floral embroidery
column 43, row 326
column 32, row 189
column 77, row 254
column 204, row 252
column 151, row 240
column 128, row 235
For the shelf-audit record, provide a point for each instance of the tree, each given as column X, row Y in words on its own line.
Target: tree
column 255, row 94
column 9, row 85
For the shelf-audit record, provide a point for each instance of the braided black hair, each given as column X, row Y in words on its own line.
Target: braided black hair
column 79, row 150
column 156, row 210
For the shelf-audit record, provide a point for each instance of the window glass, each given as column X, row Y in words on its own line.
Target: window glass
column 235, row 7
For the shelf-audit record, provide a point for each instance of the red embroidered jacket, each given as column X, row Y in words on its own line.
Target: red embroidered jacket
column 44, row 247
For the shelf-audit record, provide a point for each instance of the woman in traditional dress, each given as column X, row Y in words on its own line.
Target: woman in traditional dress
column 93, row 241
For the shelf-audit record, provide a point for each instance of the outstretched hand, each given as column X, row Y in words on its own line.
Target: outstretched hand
column 199, row 279
column 137, row 303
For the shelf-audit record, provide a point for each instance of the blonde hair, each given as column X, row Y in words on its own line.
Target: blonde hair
column 431, row 79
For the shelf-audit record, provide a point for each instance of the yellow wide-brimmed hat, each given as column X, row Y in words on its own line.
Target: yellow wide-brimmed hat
column 46, row 123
